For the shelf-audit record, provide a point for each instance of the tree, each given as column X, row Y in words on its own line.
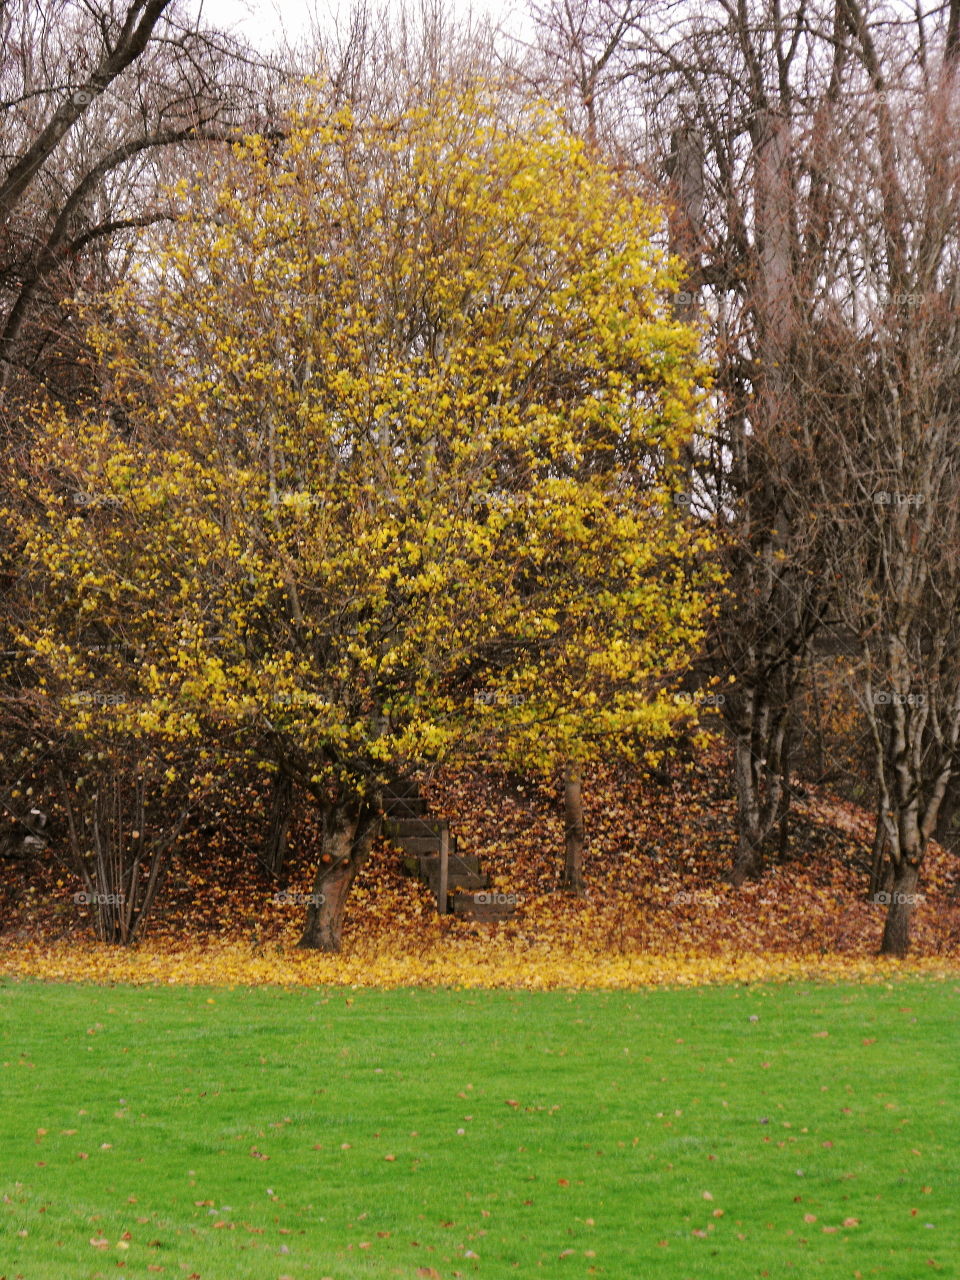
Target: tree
column 101, row 102
column 402, row 404
column 716, row 107
column 92, row 95
column 757, row 115
column 889, row 411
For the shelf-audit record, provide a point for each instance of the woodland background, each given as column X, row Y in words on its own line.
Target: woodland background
column 644, row 564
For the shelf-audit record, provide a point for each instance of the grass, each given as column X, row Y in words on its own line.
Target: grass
column 258, row 1133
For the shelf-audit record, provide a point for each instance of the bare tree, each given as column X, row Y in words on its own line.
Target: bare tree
column 893, row 373
column 91, row 95
column 746, row 110
column 718, row 105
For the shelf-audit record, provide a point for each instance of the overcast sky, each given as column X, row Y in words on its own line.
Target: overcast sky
column 262, row 20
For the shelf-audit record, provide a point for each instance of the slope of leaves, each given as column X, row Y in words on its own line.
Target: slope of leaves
column 655, row 911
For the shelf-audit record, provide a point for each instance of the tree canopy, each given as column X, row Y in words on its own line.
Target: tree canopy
column 390, row 430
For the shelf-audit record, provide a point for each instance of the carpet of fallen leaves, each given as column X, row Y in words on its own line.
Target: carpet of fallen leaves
column 655, row 911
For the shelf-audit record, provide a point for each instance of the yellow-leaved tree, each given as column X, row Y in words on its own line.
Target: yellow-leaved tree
column 383, row 470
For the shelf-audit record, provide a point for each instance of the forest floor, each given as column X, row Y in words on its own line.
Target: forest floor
column 656, row 909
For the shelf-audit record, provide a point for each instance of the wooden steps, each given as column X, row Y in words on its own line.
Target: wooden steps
column 427, row 844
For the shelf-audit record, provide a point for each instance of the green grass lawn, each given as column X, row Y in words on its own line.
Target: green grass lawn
column 698, row 1134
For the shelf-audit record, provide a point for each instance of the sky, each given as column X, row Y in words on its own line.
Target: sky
column 262, row 20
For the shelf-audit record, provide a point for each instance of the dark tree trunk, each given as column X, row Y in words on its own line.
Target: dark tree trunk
column 881, row 868
column 762, row 774
column 573, row 826
column 747, row 865
column 748, row 862
column 896, row 932
column 278, row 825
column 348, row 833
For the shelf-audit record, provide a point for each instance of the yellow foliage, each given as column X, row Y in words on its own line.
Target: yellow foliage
column 384, row 471
column 451, row 962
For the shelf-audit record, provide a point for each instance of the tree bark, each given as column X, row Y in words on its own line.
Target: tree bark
column 748, row 862
column 747, row 865
column 278, row 827
column 881, row 868
column 573, row 826
column 762, row 755
column 896, row 931
column 347, row 835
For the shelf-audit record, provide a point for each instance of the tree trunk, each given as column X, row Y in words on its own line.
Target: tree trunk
column 896, row 932
column 762, row 754
column 573, row 826
column 881, row 868
column 748, row 862
column 347, row 836
column 785, row 796
column 278, row 826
